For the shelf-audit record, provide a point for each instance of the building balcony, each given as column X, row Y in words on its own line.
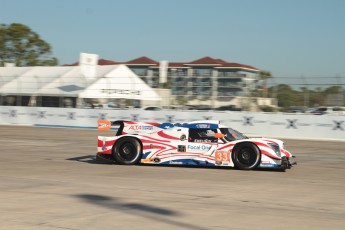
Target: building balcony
column 204, row 97
column 230, row 85
column 179, row 84
column 231, row 75
column 177, row 74
column 224, row 98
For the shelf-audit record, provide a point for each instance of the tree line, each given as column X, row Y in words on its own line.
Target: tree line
column 23, row 47
column 288, row 97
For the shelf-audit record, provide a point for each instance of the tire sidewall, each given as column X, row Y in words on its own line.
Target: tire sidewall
column 119, row 143
column 236, row 151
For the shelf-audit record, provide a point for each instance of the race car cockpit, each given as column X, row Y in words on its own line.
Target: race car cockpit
column 202, row 135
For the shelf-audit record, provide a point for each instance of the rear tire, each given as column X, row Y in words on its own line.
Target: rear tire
column 127, row 151
column 246, row 156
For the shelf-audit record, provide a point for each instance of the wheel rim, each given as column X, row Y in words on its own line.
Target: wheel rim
column 127, row 151
column 247, row 157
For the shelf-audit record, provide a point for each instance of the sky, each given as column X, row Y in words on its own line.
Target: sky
column 293, row 39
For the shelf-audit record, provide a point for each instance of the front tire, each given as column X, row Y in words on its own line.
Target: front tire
column 127, row 151
column 246, row 156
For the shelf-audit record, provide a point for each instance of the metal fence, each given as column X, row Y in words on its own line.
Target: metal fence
column 279, row 92
column 307, row 91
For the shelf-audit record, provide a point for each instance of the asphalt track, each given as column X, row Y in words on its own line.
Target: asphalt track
column 50, row 180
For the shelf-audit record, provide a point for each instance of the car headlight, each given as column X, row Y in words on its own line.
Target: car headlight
column 275, row 148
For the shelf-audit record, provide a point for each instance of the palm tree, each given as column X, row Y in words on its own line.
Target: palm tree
column 264, row 75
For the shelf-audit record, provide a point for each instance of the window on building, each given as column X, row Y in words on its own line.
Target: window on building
column 140, row 71
column 202, row 72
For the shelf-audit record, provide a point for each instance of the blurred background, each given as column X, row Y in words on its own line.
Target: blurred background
column 143, row 83
column 223, row 55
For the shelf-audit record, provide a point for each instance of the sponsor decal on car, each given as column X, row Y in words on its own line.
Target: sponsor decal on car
column 176, row 163
column 103, row 125
column 198, row 147
column 181, row 148
column 268, row 165
column 203, row 126
column 145, row 160
column 141, row 127
column 202, row 140
column 151, row 160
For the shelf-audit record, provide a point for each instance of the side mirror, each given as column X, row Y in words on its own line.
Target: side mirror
column 219, row 135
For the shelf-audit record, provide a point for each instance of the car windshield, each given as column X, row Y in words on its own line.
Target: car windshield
column 232, row 135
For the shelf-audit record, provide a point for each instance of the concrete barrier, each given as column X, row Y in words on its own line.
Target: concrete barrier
column 292, row 126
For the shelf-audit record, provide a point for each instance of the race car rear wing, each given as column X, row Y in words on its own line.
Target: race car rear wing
column 134, row 127
column 129, row 127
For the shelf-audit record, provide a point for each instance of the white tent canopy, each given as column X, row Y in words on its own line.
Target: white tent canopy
column 32, row 80
column 73, row 82
column 121, row 82
column 8, row 74
column 109, row 81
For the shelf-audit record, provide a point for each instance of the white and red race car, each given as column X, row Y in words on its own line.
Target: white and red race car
column 199, row 143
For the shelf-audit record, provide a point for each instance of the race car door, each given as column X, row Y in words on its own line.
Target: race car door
column 197, row 151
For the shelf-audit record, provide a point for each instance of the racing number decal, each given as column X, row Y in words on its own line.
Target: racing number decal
column 222, row 156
